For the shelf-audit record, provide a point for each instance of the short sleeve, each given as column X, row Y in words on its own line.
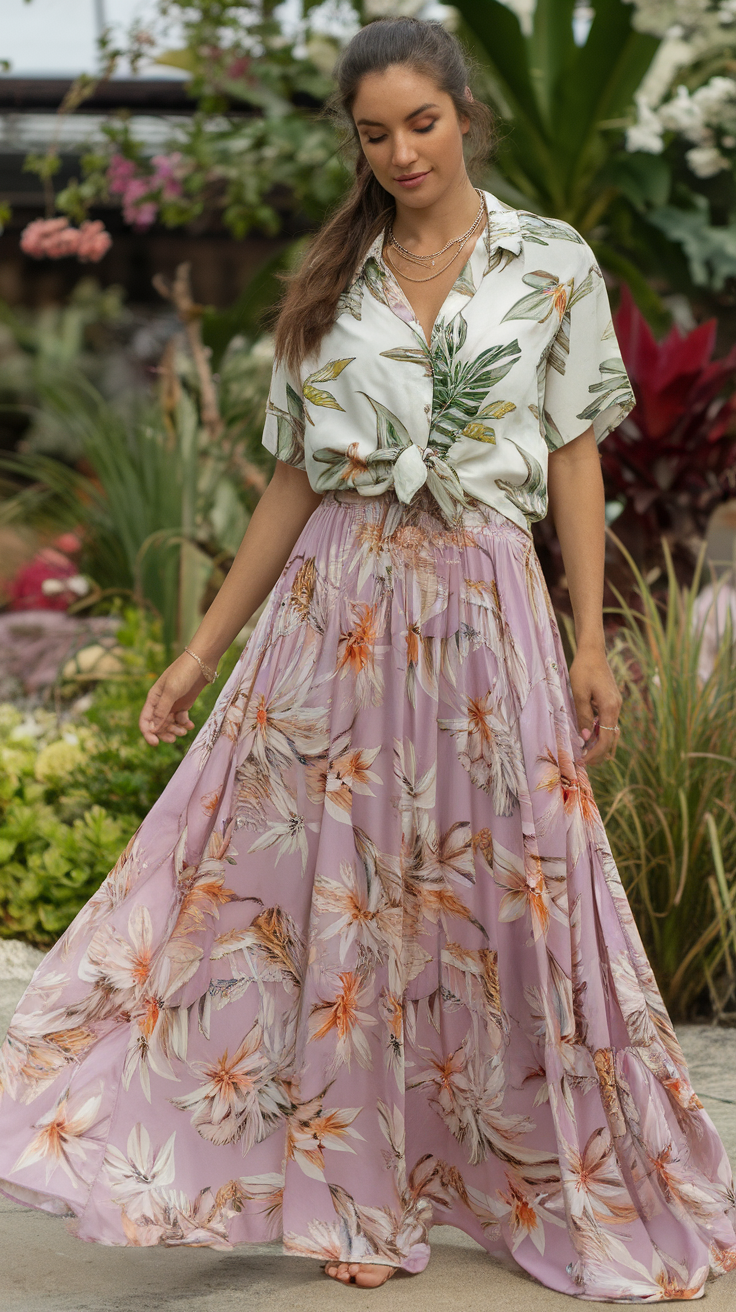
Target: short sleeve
column 283, row 429
column 586, row 382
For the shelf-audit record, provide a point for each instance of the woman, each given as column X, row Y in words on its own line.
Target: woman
column 368, row 965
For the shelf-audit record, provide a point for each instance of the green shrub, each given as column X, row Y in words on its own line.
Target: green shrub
column 74, row 788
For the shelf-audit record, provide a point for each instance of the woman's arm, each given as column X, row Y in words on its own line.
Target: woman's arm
column 577, row 504
column 274, row 527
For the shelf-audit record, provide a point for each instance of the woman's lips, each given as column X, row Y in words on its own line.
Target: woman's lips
column 412, row 180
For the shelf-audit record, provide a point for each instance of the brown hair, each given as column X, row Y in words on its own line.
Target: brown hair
column 307, row 309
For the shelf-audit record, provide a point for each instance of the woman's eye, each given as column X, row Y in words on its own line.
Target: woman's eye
column 428, row 128
column 375, row 138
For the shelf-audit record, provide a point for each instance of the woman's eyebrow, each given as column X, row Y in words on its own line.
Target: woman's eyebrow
column 371, row 123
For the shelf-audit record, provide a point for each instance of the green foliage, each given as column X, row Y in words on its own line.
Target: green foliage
column 559, row 97
column 668, row 798
column 564, row 109
column 246, row 167
column 73, row 792
column 142, row 471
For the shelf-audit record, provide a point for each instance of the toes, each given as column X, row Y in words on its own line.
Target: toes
column 370, row 1277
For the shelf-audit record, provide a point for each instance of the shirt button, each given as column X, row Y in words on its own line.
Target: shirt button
column 426, row 409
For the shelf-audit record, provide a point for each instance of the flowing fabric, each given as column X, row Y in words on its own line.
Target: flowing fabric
column 367, row 965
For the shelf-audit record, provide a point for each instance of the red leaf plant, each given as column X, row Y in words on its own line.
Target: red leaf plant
column 674, row 456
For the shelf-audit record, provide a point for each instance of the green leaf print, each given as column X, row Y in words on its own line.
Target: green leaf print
column 549, row 295
column 289, row 427
column 460, row 387
column 411, row 355
column 350, row 469
column 614, row 389
column 446, row 488
column 583, row 288
column 464, row 281
column 548, row 429
column 530, row 497
column 390, row 432
column 541, row 231
column 317, row 395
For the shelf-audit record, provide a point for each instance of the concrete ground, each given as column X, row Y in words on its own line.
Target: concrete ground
column 44, row 1269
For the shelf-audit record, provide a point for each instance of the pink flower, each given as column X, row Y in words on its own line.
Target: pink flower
column 164, row 173
column 53, row 239
column 120, row 172
column 136, row 211
column 94, row 241
column 140, row 216
column 27, row 590
column 49, row 237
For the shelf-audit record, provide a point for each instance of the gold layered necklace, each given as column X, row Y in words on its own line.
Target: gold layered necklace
column 429, row 261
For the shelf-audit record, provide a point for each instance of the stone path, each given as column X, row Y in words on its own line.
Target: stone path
column 44, row 1269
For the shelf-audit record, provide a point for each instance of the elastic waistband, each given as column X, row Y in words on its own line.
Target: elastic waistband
column 423, row 504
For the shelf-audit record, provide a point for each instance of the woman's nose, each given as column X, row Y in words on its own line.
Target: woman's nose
column 404, row 151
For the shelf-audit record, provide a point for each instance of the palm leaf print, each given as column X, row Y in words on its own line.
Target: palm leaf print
column 614, row 388
column 459, row 387
column 351, row 469
column 411, row 355
column 289, row 427
column 462, row 386
column 530, row 497
column 542, row 231
column 317, row 395
column 390, row 432
column 548, row 428
column 549, row 295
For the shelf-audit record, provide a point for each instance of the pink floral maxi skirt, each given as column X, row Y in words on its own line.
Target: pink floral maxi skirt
column 368, row 965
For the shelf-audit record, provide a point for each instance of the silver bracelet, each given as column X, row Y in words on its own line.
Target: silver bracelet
column 209, row 674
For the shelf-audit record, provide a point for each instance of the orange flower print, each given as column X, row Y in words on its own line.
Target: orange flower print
column 340, row 1014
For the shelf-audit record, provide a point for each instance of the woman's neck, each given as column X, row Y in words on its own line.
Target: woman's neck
column 429, row 229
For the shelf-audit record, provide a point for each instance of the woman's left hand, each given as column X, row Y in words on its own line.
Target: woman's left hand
column 596, row 696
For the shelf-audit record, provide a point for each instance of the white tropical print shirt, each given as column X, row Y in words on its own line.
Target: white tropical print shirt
column 523, row 358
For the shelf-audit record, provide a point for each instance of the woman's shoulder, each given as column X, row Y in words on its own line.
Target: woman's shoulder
column 542, row 230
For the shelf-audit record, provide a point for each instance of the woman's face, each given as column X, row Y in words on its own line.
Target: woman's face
column 410, row 134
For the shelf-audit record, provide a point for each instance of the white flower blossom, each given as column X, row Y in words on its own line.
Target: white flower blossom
column 646, row 133
column 705, row 161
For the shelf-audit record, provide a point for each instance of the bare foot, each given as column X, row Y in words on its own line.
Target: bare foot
column 366, row 1274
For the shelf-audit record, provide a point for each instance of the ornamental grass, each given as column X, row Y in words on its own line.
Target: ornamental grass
column 668, row 797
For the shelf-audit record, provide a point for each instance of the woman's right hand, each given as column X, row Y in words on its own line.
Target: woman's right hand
column 165, row 716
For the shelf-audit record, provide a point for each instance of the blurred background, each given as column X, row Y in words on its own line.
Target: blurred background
column 160, row 162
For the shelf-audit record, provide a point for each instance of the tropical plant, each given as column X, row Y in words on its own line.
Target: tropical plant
column 74, row 787
column 555, row 95
column 163, row 491
column 565, row 110
column 668, row 797
column 82, row 334
column 673, row 458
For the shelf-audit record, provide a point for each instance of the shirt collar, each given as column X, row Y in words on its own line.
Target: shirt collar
column 502, row 229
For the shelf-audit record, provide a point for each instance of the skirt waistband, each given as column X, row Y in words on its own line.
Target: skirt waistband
column 477, row 514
